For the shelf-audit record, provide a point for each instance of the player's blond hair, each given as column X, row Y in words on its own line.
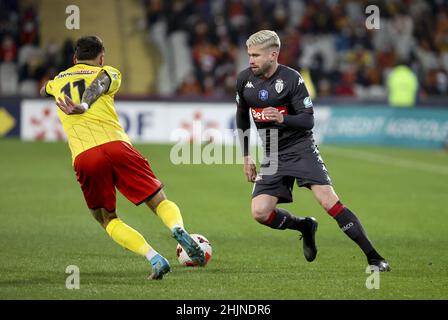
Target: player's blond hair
column 265, row 38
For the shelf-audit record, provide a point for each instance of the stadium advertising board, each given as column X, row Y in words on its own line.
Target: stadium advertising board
column 167, row 122
column 417, row 128
column 9, row 117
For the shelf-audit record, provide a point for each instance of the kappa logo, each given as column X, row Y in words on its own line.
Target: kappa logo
column 300, row 81
column 249, row 84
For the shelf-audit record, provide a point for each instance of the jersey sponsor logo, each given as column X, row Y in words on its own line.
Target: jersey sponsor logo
column 307, row 102
column 249, row 84
column 279, row 85
column 67, row 74
column 259, row 116
column 263, row 95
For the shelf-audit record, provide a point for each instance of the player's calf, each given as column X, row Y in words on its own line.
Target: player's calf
column 352, row 227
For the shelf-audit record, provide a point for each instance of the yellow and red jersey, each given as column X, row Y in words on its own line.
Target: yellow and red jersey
column 99, row 124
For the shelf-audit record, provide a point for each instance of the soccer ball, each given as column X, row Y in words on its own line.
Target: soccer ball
column 205, row 245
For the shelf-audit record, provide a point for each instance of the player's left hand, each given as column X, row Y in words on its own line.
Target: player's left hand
column 273, row 114
column 43, row 92
column 69, row 107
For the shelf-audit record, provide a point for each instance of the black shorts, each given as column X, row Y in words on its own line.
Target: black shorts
column 306, row 167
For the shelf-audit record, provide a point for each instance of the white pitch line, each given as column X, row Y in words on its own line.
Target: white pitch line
column 376, row 158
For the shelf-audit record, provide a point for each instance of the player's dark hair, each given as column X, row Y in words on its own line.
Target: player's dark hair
column 88, row 48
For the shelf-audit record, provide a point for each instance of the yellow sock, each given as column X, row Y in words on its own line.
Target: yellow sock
column 169, row 212
column 127, row 237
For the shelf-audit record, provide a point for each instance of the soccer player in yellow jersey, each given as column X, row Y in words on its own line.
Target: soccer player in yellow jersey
column 103, row 157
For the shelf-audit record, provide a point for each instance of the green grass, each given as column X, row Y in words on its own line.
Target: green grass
column 45, row 227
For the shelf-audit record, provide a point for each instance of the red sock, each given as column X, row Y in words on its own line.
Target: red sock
column 336, row 209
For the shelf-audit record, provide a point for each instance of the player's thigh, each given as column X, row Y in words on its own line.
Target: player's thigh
column 134, row 177
column 95, row 174
column 268, row 191
column 277, row 186
column 325, row 195
column 310, row 169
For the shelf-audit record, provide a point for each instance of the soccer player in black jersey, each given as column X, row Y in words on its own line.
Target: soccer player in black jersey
column 278, row 101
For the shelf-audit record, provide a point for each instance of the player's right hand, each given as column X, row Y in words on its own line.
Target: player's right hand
column 69, row 107
column 250, row 169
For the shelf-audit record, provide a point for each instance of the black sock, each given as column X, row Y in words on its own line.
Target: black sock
column 352, row 227
column 282, row 219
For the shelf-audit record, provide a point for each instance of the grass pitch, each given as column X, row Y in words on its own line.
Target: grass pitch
column 399, row 195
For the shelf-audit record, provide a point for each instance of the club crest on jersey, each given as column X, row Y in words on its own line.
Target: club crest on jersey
column 279, row 85
column 263, row 95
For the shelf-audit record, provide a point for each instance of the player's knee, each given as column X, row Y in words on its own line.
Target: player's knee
column 154, row 202
column 260, row 212
column 327, row 202
column 103, row 216
column 326, row 196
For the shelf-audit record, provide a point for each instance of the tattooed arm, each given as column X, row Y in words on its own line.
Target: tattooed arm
column 99, row 86
column 96, row 89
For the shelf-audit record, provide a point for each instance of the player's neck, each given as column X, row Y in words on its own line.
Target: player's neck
column 270, row 72
column 88, row 62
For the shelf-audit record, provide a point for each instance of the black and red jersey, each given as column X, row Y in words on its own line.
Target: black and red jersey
column 284, row 90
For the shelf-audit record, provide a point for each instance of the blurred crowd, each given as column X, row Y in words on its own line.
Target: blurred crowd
column 24, row 65
column 202, row 43
column 326, row 38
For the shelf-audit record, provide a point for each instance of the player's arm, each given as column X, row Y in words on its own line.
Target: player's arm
column 301, row 103
column 43, row 91
column 243, row 126
column 301, row 121
column 99, row 86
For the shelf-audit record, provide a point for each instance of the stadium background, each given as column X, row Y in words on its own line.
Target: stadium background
column 179, row 61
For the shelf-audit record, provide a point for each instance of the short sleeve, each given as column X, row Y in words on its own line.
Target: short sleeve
column 49, row 88
column 115, row 79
